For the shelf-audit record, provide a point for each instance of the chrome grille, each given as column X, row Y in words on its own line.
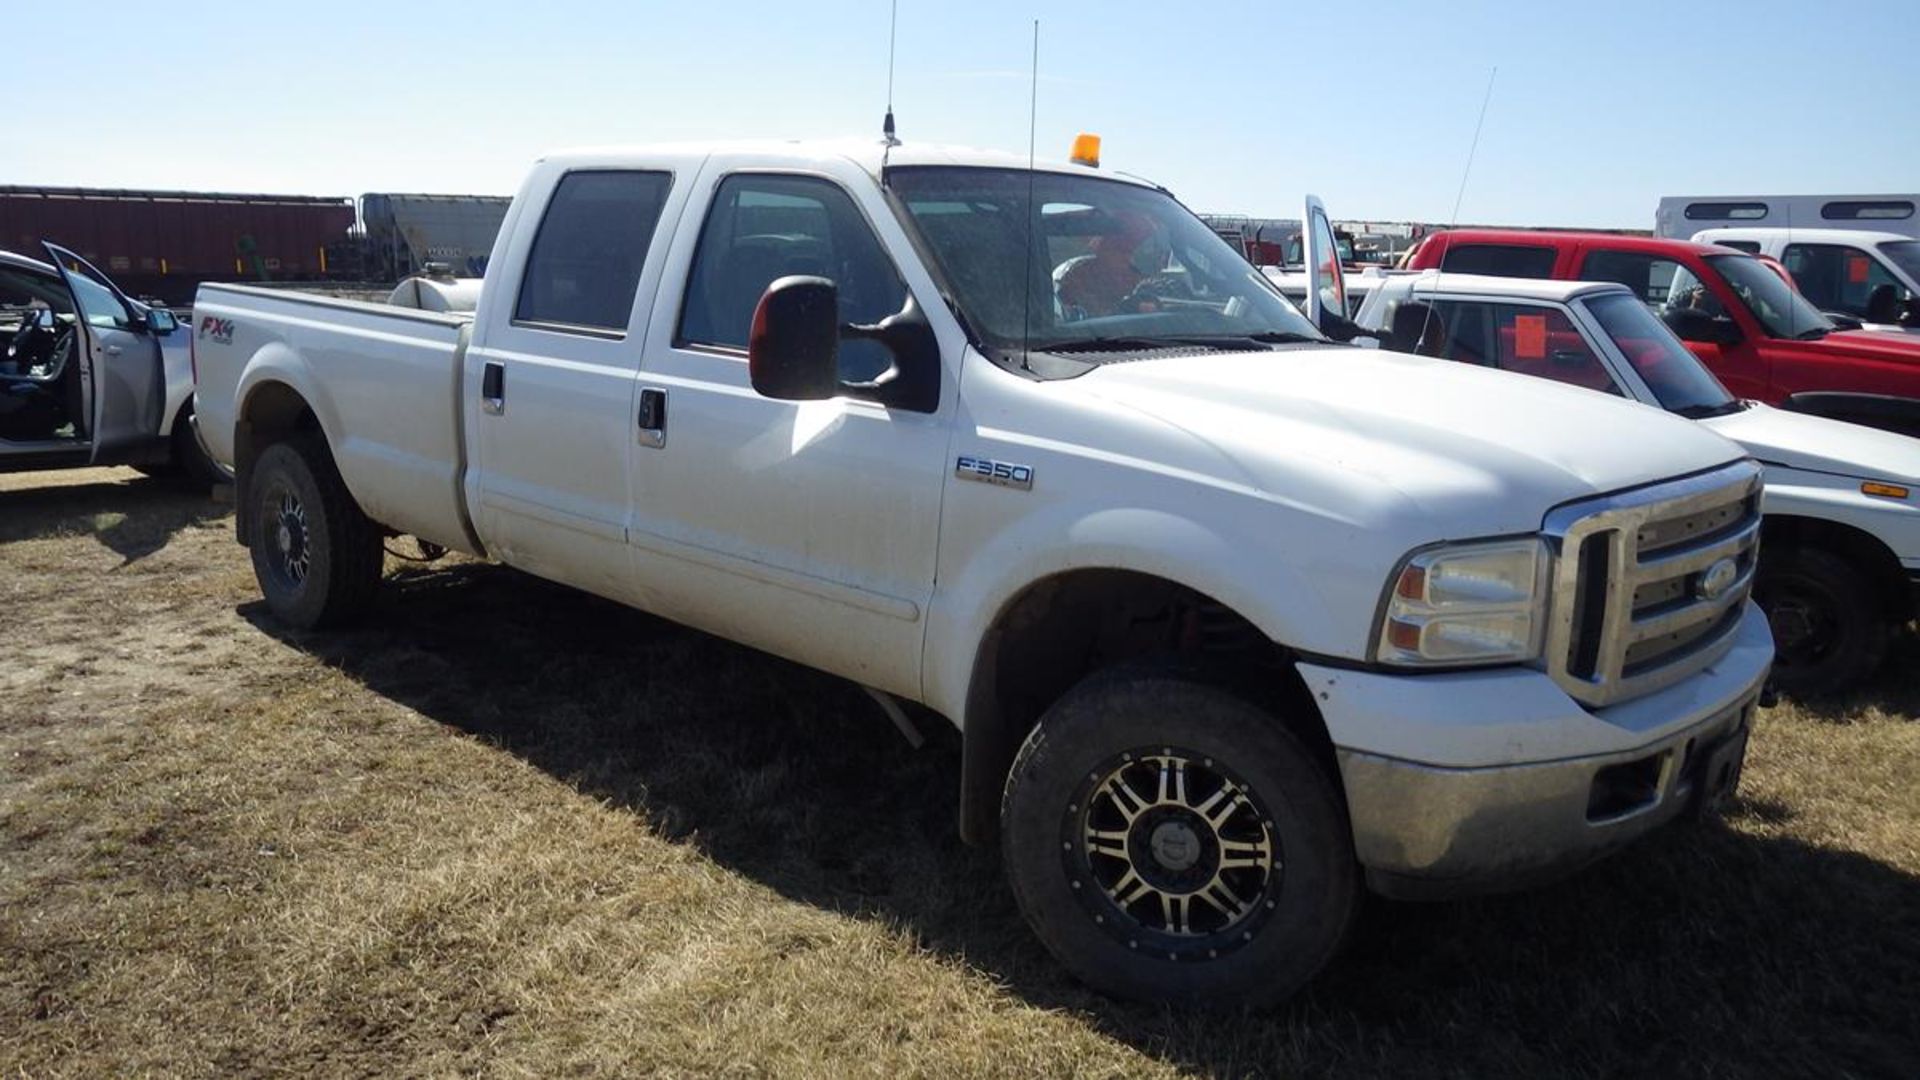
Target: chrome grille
column 1633, row 610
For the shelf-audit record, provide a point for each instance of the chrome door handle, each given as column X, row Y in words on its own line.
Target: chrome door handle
column 493, row 388
column 110, row 350
column 653, row 417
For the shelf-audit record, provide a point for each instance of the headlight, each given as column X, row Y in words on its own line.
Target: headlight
column 1471, row 603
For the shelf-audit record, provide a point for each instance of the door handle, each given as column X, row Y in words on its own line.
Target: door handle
column 493, row 388
column 110, row 350
column 653, row 417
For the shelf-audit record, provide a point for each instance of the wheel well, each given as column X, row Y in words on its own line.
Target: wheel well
column 272, row 412
column 1063, row 628
column 1858, row 547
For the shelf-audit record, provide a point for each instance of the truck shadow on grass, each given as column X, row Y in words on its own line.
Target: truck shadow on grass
column 1704, row 950
column 133, row 518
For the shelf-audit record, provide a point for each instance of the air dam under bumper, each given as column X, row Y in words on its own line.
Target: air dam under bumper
column 1574, row 784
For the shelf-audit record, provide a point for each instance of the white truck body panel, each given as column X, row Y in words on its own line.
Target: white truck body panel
column 1680, row 216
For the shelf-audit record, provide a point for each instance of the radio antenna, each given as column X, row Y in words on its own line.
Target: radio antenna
column 887, row 137
column 1458, row 197
column 1033, row 114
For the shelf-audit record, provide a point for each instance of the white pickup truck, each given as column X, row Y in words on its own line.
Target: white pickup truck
column 1842, row 528
column 1234, row 621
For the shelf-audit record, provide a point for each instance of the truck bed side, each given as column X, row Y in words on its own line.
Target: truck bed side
column 382, row 383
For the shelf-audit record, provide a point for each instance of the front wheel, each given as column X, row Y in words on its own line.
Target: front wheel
column 317, row 557
column 1829, row 630
column 1169, row 841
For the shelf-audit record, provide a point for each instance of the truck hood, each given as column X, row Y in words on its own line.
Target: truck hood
column 1473, row 451
column 1818, row 444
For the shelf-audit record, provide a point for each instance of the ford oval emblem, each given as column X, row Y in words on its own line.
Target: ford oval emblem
column 1717, row 580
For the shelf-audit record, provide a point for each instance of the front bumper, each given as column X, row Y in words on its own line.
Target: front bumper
column 1479, row 812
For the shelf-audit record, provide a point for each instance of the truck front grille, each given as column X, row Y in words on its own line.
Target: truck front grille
column 1650, row 583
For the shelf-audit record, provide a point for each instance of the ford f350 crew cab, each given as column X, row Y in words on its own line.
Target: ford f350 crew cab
column 1234, row 621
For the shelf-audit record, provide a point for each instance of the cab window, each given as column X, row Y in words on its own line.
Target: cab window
column 97, row 303
column 1500, row 260
column 764, row 227
column 1649, row 276
column 1527, row 339
column 586, row 260
column 1837, row 277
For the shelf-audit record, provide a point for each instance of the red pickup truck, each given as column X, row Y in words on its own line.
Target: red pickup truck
column 1756, row 333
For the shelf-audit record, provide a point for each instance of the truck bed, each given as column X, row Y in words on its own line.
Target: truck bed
column 384, row 383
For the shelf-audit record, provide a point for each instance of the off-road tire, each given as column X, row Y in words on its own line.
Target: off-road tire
column 342, row 547
column 1840, row 631
column 1313, row 891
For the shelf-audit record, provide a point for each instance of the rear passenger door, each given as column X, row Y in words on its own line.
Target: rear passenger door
column 549, row 376
column 805, row 528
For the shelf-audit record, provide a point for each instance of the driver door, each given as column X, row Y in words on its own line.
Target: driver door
column 1327, row 306
column 122, row 378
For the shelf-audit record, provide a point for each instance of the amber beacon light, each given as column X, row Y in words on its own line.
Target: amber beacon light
column 1086, row 150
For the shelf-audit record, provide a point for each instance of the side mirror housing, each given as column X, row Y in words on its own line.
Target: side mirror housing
column 161, row 321
column 793, row 350
column 1692, row 324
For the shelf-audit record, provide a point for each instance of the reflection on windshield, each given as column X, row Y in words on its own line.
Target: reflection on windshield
column 1783, row 312
column 1678, row 380
column 1110, row 265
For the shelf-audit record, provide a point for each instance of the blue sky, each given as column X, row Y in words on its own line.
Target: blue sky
column 1597, row 110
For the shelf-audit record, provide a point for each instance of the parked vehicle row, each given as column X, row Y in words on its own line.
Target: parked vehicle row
column 1763, row 339
column 1235, row 621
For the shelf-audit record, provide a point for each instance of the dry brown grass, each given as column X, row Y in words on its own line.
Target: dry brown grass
column 509, row 829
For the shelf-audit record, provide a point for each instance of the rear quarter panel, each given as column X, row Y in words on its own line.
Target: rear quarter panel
column 382, row 383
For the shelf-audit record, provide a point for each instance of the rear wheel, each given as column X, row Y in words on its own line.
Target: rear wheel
column 1829, row 629
column 317, row 557
column 1170, row 841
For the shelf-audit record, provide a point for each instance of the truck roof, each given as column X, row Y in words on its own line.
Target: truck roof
column 1436, row 282
column 1541, row 238
column 1805, row 234
column 866, row 153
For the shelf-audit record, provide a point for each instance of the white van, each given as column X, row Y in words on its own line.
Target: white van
column 1680, row 216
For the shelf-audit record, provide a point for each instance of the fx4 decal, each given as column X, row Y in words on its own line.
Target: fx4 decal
column 1002, row 473
column 217, row 329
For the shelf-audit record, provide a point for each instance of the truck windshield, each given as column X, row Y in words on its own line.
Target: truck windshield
column 1680, row 382
column 1048, row 262
column 1783, row 312
column 1905, row 255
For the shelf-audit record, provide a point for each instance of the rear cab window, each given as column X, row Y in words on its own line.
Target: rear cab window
column 1500, row 260
column 1649, row 276
column 584, row 268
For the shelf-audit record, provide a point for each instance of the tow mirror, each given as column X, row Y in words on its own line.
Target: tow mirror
column 793, row 351
column 1692, row 324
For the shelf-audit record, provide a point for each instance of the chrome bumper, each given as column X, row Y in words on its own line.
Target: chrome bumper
column 1430, row 833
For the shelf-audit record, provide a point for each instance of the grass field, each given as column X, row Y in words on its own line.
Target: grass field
column 508, row 829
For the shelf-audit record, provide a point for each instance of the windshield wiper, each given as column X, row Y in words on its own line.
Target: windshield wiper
column 1122, row 344
column 1702, row 412
column 1812, row 333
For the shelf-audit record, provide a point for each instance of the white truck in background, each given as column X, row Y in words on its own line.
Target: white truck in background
column 1842, row 507
column 1234, row 621
column 1869, row 277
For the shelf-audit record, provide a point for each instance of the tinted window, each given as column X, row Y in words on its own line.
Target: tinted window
column 1841, row 278
column 1500, row 260
column 1524, row 338
column 761, row 228
column 1650, row 277
column 592, row 243
column 1783, row 312
column 1868, row 210
column 1677, row 378
column 1731, row 211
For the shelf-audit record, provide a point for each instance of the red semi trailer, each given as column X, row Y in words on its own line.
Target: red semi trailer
column 164, row 243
